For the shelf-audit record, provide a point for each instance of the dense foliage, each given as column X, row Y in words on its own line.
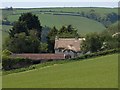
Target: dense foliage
column 21, row 43
column 9, row 63
column 25, row 35
column 108, row 39
column 64, row 32
column 51, row 39
column 96, row 54
column 92, row 43
column 26, row 22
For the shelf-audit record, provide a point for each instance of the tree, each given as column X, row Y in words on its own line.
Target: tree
column 70, row 28
column 26, row 22
column 25, row 35
column 111, row 36
column 62, row 30
column 44, row 47
column 93, row 43
column 68, row 32
column 51, row 39
column 21, row 43
column 18, row 28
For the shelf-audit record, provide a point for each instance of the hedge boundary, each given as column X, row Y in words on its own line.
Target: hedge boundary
column 83, row 57
column 100, row 53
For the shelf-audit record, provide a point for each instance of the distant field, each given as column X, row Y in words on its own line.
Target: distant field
column 4, row 36
column 77, row 9
column 4, row 32
column 6, row 27
column 100, row 72
column 83, row 25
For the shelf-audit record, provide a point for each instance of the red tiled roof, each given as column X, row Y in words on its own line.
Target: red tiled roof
column 40, row 56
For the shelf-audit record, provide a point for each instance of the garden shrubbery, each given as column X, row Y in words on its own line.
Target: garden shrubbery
column 9, row 63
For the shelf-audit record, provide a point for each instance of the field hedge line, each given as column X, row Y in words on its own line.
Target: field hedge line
column 100, row 53
column 27, row 65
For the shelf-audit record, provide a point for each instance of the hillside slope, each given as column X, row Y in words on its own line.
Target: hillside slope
column 100, row 72
column 82, row 24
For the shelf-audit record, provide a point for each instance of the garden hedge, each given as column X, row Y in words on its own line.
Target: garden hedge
column 9, row 63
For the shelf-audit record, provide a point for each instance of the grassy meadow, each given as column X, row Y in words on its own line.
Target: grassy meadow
column 82, row 24
column 68, row 9
column 100, row 72
column 4, row 32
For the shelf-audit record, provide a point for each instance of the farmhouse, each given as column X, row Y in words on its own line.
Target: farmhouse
column 64, row 48
column 70, row 47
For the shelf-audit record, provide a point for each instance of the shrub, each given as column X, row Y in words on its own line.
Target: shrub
column 100, row 53
column 9, row 63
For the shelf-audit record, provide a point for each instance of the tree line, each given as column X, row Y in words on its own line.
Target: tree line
column 25, row 37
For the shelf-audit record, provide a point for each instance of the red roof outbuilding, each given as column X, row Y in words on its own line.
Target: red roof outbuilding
column 40, row 56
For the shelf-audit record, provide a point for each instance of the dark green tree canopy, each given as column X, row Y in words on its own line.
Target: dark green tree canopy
column 93, row 43
column 68, row 32
column 21, row 43
column 51, row 39
column 26, row 22
column 32, row 21
column 25, row 35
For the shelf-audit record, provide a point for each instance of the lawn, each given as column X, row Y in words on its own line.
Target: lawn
column 100, row 72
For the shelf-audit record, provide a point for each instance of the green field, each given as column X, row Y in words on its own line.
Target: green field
column 67, row 9
column 4, row 32
column 83, row 25
column 100, row 72
column 0, row 40
column 6, row 27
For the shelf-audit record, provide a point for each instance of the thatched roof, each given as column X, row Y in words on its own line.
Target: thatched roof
column 69, row 43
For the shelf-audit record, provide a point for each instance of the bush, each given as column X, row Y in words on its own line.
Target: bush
column 9, row 63
column 100, row 53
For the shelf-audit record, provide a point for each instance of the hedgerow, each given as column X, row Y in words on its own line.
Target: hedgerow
column 100, row 53
column 37, row 66
column 9, row 63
